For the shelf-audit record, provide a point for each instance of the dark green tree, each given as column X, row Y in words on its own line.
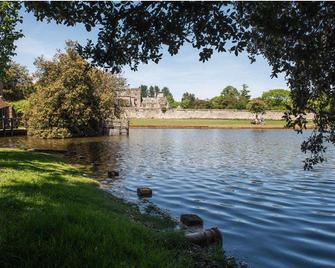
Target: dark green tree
column 230, row 97
column 151, row 92
column 144, row 91
column 187, row 101
column 167, row 93
column 157, row 90
column 9, row 19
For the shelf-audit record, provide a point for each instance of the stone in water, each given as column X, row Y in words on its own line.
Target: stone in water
column 144, row 192
column 191, row 220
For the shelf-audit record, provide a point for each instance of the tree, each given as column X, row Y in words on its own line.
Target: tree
column 157, row 90
column 166, row 92
column 9, row 18
column 244, row 97
column 230, row 97
column 277, row 99
column 151, row 92
column 201, row 104
column 17, row 83
column 216, row 102
column 72, row 99
column 187, row 101
column 144, row 91
column 296, row 38
column 257, row 106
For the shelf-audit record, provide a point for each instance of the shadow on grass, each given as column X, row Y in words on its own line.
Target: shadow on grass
column 51, row 216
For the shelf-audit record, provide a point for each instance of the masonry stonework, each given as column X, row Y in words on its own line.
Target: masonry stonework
column 132, row 112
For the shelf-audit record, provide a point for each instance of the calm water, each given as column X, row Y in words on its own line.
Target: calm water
column 249, row 183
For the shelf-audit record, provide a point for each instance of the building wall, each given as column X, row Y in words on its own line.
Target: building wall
column 199, row 114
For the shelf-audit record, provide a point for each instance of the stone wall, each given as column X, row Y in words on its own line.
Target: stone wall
column 133, row 112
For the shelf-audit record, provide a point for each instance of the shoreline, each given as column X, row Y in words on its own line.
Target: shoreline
column 42, row 191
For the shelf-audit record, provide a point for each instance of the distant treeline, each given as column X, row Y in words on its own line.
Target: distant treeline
column 229, row 98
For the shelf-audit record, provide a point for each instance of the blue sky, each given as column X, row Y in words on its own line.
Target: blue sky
column 180, row 73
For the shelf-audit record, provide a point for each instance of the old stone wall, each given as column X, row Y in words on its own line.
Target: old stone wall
column 133, row 112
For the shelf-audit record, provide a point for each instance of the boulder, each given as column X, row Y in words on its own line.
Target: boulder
column 191, row 220
column 113, row 173
column 144, row 192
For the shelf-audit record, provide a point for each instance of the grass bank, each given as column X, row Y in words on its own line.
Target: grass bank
column 53, row 216
column 204, row 123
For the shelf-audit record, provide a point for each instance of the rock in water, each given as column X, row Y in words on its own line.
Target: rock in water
column 144, row 192
column 191, row 220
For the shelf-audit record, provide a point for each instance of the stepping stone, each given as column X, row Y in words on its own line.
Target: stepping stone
column 144, row 192
column 113, row 173
column 191, row 220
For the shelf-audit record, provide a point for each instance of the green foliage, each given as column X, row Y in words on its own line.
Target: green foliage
column 167, row 93
column 164, row 109
column 20, row 108
column 17, row 83
column 231, row 98
column 187, row 101
column 258, row 107
column 9, row 18
column 52, row 216
column 72, row 98
column 144, row 91
column 151, row 92
column 277, row 99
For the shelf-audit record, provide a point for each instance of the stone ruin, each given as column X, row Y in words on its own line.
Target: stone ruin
column 132, row 98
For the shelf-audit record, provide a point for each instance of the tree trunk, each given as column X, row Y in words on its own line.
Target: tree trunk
column 1, row 88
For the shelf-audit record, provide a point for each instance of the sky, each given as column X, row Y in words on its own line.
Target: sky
column 180, row 73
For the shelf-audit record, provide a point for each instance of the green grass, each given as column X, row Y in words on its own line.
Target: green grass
column 236, row 123
column 52, row 216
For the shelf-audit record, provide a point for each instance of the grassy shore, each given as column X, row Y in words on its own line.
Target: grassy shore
column 204, row 123
column 53, row 216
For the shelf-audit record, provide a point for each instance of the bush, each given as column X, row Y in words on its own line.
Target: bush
column 164, row 110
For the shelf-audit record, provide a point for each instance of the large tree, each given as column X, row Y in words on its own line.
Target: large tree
column 72, row 98
column 17, row 82
column 278, row 99
column 9, row 18
column 296, row 38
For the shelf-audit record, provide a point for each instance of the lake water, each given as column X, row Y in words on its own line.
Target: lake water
column 249, row 183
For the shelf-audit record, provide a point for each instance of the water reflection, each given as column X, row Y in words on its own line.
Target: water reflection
column 250, row 183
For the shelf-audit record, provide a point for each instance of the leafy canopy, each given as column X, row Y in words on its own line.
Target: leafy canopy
column 9, row 18
column 72, row 98
column 277, row 98
column 17, row 83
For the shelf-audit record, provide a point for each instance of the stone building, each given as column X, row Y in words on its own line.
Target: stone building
column 132, row 98
column 158, row 102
